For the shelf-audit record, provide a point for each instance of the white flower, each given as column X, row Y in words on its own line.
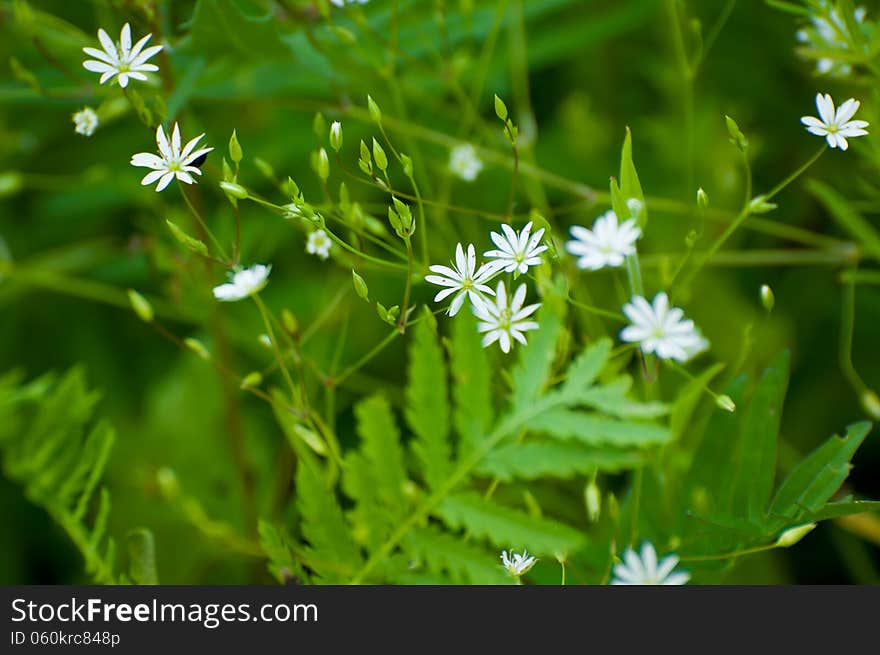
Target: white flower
column 660, row 329
column 607, row 244
column 464, row 279
column 502, row 320
column 86, row 121
column 121, row 60
column 245, row 282
column 516, row 251
column 517, row 565
column 464, row 162
column 319, row 244
column 645, row 570
column 173, row 161
column 835, row 126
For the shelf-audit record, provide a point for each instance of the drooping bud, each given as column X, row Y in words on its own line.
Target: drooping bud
column 197, row 347
column 871, row 404
column 793, row 535
column 726, row 403
column 141, row 306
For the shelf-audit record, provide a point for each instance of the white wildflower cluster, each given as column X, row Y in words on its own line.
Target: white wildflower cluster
column 517, row 564
column 828, row 31
column 502, row 318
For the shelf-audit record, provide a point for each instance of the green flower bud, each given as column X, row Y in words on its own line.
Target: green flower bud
column 360, row 287
column 251, row 380
column 190, row 243
column 379, row 156
column 197, row 347
column 235, row 152
column 375, row 112
column 593, row 501
column 141, row 306
column 319, row 126
column 793, row 535
column 322, row 164
column 726, row 403
column 702, row 199
column 500, row 108
column 234, row 190
column 336, row 136
column 871, row 404
column 768, row 299
column 737, row 138
column 406, row 162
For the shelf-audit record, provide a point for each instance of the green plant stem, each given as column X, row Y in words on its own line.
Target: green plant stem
column 264, row 313
column 204, row 226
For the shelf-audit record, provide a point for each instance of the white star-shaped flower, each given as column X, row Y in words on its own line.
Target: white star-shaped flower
column 517, row 564
column 464, row 279
column 607, row 244
column 661, row 329
column 173, row 162
column 86, row 121
column 835, row 126
column 644, row 569
column 121, row 60
column 503, row 319
column 319, row 244
column 464, row 162
column 517, row 251
column 245, row 283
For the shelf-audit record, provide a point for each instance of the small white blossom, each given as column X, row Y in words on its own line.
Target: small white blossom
column 464, row 279
column 517, row 564
column 607, row 244
column 464, row 162
column 173, row 162
column 86, row 121
column 503, row 319
column 835, row 126
column 829, row 32
column 319, row 244
column 661, row 329
column 245, row 282
column 121, row 60
column 516, row 251
column 644, row 569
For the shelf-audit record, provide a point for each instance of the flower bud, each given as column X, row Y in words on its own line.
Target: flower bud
column 759, row 205
column 379, row 156
column 407, row 164
column 871, row 404
column 197, row 347
column 319, row 126
column 167, row 481
column 500, row 108
column 768, row 299
column 737, row 138
column 593, row 501
column 251, row 380
column 360, row 287
column 234, row 190
column 702, row 199
column 726, row 403
column 235, row 152
column 793, row 535
column 322, row 165
column 141, row 306
column 375, row 112
column 288, row 320
column 336, row 136
column 188, row 242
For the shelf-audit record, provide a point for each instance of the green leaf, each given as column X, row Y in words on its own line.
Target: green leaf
column 220, row 28
column 532, row 371
column 586, row 367
column 278, row 546
column 142, row 557
column 465, row 563
column 596, row 430
column 471, row 389
column 688, row 398
column 630, row 187
column 381, row 448
column 544, row 458
column 506, row 527
column 427, row 407
column 819, row 475
column 755, row 461
column 848, row 218
column 843, row 508
column 332, row 554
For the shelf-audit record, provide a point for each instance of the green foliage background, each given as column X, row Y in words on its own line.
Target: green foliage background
column 80, row 230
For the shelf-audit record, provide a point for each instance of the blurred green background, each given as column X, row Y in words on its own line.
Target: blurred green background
column 80, row 229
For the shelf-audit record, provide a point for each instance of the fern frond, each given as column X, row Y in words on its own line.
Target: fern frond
column 546, row 458
column 471, row 390
column 465, row 563
column 427, row 407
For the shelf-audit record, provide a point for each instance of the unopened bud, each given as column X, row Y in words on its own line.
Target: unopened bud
column 360, row 287
column 235, row 152
column 379, row 156
column 768, row 299
column 702, row 199
column 234, row 190
column 141, row 306
column 726, row 403
column 336, row 136
column 166, row 478
column 375, row 112
column 319, row 126
column 737, row 138
column 871, row 404
column 197, row 347
column 251, row 380
column 322, row 164
column 288, row 320
column 793, row 535
column 500, row 108
column 593, row 500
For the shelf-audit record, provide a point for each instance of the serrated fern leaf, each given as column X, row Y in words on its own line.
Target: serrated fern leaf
column 471, row 389
column 534, row 367
column 427, row 407
column 465, row 563
column 536, row 459
column 506, row 527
